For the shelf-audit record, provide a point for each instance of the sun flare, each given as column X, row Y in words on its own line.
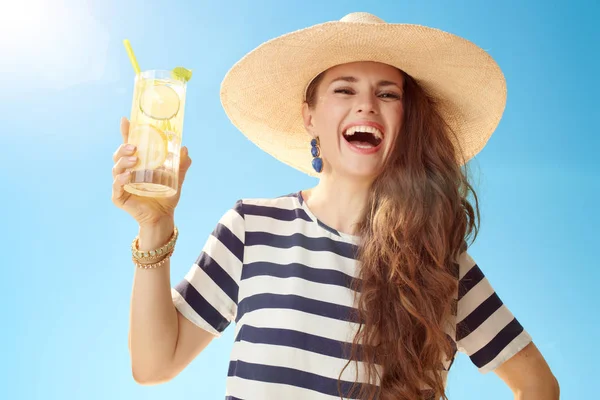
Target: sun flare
column 56, row 43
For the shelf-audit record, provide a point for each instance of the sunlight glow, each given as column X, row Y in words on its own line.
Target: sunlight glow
column 54, row 43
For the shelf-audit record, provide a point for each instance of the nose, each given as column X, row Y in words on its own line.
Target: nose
column 366, row 103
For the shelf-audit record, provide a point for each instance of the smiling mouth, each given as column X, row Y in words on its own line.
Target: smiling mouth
column 364, row 137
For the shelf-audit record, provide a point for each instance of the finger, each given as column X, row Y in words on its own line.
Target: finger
column 184, row 164
column 117, row 188
column 122, row 164
column 124, row 150
column 124, row 129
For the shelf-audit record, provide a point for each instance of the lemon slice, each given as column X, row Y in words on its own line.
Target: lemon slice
column 152, row 146
column 159, row 102
column 183, row 74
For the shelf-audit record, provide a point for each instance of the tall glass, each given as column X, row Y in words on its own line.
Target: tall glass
column 156, row 127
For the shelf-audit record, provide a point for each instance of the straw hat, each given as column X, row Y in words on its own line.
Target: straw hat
column 263, row 93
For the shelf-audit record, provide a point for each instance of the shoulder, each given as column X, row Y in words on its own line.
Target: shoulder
column 264, row 205
column 274, row 207
column 469, row 275
column 466, row 265
column 262, row 215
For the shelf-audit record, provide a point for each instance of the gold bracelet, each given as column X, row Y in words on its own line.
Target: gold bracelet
column 153, row 254
column 153, row 265
column 154, row 258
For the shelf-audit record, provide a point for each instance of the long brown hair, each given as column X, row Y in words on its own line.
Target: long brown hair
column 415, row 225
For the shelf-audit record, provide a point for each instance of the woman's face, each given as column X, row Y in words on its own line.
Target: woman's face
column 357, row 116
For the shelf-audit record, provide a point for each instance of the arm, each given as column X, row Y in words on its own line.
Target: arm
column 172, row 325
column 494, row 340
column 161, row 341
column 529, row 376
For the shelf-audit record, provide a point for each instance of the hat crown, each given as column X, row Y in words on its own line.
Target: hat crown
column 362, row 17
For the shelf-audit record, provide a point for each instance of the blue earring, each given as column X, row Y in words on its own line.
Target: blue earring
column 317, row 162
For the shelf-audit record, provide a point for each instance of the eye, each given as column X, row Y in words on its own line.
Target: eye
column 344, row 91
column 390, row 95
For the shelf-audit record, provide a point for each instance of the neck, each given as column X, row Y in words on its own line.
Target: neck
column 338, row 201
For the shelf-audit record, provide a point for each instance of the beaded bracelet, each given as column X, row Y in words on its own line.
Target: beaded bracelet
column 153, row 254
column 153, row 265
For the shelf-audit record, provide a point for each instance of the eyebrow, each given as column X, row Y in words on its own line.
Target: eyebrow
column 352, row 79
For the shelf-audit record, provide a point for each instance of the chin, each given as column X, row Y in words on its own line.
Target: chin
column 362, row 172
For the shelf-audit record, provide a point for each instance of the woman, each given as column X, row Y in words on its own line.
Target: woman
column 360, row 287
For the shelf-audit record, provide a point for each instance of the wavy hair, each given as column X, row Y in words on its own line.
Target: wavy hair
column 414, row 227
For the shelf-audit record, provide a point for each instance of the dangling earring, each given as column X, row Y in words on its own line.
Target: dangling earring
column 317, row 162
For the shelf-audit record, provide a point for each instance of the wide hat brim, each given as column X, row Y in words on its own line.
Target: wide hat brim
column 262, row 94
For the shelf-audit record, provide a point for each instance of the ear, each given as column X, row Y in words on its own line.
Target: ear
column 308, row 119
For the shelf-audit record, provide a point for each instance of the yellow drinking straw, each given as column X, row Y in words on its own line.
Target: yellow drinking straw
column 134, row 62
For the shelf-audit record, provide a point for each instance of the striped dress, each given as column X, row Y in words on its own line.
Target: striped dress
column 284, row 278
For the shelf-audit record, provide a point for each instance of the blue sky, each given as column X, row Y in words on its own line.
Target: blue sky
column 67, row 274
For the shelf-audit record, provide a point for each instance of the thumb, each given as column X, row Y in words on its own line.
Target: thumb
column 184, row 164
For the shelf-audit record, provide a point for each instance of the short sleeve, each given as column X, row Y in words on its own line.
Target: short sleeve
column 486, row 330
column 208, row 294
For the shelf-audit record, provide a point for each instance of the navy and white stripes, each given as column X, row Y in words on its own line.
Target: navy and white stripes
column 485, row 330
column 284, row 278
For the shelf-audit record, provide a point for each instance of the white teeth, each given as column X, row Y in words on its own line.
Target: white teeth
column 360, row 146
column 370, row 129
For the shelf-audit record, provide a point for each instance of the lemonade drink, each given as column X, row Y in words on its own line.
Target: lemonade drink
column 156, row 126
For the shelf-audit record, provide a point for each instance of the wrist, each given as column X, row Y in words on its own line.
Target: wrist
column 156, row 234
